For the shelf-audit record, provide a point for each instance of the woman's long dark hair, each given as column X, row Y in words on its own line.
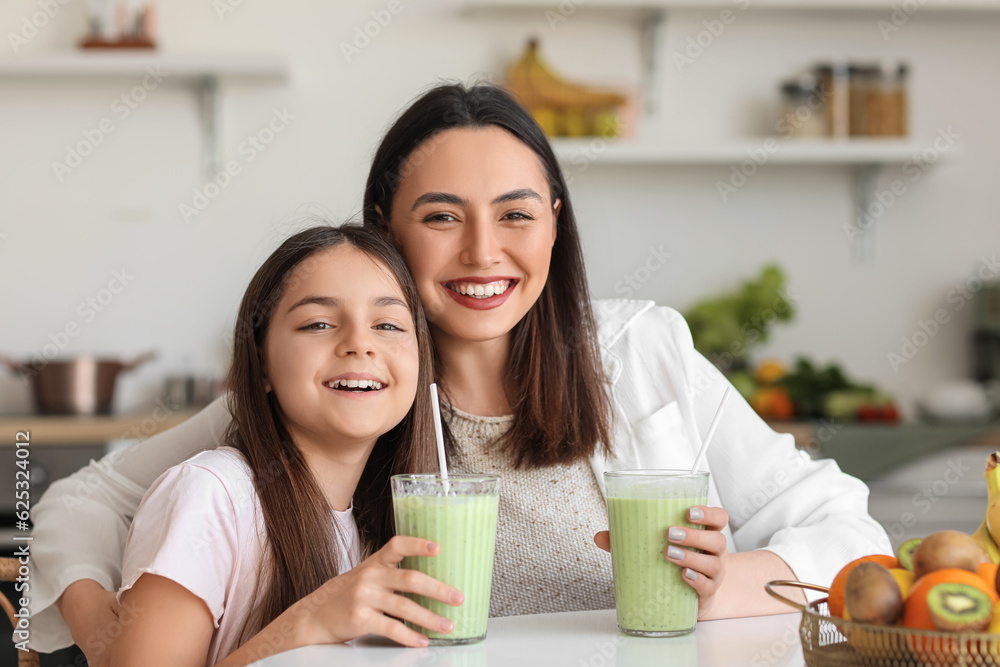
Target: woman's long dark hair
column 302, row 551
column 554, row 382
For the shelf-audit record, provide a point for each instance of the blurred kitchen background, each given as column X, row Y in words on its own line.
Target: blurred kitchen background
column 811, row 182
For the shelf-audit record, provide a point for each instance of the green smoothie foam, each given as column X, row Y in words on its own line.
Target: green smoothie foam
column 650, row 595
column 465, row 527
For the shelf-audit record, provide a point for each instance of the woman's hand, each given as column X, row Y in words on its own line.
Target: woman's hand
column 92, row 616
column 367, row 600
column 703, row 571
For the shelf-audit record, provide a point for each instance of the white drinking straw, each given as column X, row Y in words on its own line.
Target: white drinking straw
column 698, row 460
column 439, row 433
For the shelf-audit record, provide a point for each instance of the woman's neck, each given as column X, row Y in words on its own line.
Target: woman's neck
column 472, row 372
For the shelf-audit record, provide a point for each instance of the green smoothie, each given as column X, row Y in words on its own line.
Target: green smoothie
column 465, row 527
column 650, row 595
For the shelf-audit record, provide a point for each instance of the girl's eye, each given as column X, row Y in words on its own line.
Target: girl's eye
column 316, row 326
column 385, row 326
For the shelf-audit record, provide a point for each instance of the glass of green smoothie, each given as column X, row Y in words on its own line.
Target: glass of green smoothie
column 651, row 598
column 459, row 513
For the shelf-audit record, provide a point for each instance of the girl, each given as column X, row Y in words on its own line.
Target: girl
column 248, row 549
column 542, row 385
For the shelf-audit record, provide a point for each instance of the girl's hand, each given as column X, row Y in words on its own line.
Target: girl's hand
column 365, row 599
column 704, row 571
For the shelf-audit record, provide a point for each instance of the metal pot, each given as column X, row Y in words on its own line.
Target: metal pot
column 81, row 386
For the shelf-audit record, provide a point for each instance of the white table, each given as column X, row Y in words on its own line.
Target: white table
column 577, row 639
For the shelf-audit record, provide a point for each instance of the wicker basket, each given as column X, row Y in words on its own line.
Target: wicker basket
column 828, row 641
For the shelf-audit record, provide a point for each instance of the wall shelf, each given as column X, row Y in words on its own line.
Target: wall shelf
column 737, row 5
column 202, row 72
column 865, row 157
column 854, row 152
column 180, row 67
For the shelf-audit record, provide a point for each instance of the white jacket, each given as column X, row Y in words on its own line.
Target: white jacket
column 664, row 394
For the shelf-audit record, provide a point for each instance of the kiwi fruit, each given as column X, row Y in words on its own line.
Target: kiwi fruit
column 959, row 607
column 905, row 552
column 948, row 549
column 872, row 595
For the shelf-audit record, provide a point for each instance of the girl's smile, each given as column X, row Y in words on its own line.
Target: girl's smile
column 356, row 383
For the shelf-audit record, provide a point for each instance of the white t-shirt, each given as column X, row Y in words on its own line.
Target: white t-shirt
column 200, row 525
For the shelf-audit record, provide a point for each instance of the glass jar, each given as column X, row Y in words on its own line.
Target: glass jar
column 834, row 83
column 804, row 113
column 865, row 111
column 892, row 100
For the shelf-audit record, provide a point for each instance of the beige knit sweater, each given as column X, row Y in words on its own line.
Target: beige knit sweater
column 546, row 559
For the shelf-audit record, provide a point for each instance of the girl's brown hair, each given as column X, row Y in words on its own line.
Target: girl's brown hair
column 554, row 382
column 302, row 550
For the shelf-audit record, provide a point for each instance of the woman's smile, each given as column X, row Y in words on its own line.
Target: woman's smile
column 481, row 293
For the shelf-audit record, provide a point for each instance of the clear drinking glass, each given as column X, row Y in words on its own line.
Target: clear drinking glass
column 651, row 598
column 460, row 515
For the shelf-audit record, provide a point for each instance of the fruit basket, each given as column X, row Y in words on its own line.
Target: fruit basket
column 829, row 641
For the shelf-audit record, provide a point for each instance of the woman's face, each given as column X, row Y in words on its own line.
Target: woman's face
column 476, row 223
column 342, row 321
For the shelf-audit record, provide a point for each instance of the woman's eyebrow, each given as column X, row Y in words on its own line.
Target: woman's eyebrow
column 517, row 195
column 448, row 198
column 439, row 198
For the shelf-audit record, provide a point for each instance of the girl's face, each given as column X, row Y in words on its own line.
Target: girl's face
column 476, row 223
column 341, row 349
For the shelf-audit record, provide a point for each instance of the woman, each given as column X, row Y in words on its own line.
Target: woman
column 540, row 386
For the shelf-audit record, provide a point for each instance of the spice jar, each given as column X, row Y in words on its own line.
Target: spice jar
column 834, row 86
column 804, row 115
column 865, row 117
column 890, row 101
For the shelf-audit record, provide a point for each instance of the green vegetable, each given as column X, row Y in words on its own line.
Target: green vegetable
column 726, row 328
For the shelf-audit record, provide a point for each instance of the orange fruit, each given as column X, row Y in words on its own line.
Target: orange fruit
column 988, row 571
column 770, row 371
column 781, row 405
column 916, row 615
column 835, row 601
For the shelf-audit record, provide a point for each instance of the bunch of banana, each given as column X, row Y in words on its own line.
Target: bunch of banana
column 988, row 533
column 560, row 107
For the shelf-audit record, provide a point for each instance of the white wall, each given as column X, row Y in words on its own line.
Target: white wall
column 119, row 209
